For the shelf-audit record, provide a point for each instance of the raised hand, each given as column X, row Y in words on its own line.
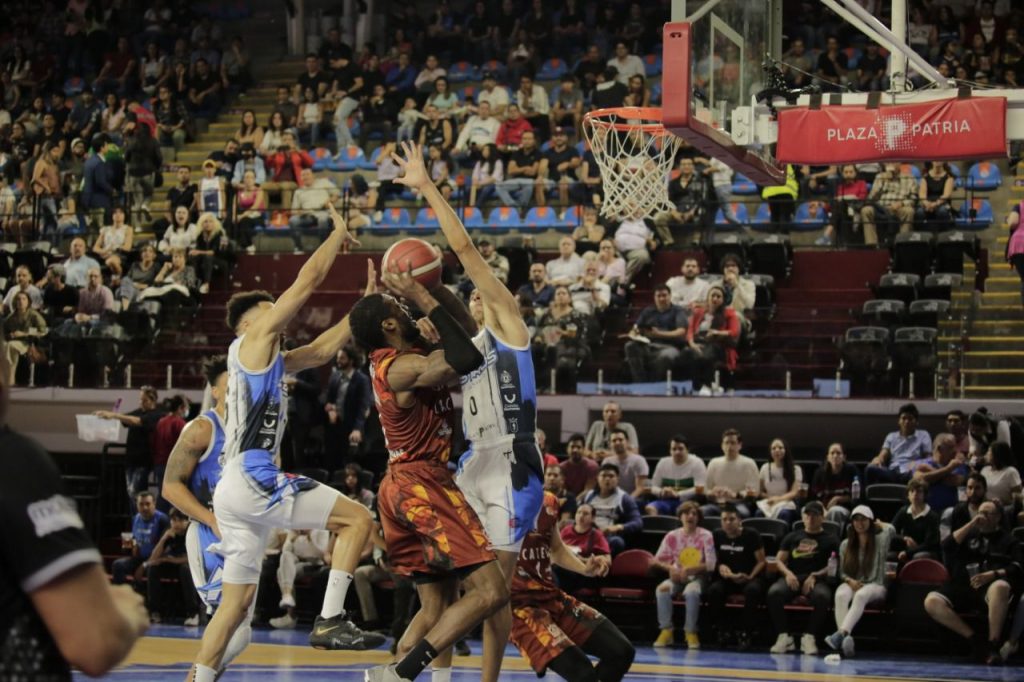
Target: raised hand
column 413, row 169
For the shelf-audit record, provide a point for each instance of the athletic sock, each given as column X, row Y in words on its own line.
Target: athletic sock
column 203, row 674
column 337, row 588
column 441, row 675
column 416, row 660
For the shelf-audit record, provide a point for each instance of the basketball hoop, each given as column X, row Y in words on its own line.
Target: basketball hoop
column 635, row 154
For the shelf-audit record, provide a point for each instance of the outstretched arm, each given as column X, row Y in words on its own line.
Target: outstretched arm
column 191, row 445
column 268, row 327
column 501, row 311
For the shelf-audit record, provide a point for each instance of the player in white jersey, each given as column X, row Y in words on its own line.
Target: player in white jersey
column 193, row 471
column 254, row 495
column 502, row 475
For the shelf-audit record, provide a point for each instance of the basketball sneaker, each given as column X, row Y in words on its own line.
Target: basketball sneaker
column 383, row 673
column 338, row 632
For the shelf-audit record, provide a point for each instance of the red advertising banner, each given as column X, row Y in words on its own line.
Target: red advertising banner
column 943, row 130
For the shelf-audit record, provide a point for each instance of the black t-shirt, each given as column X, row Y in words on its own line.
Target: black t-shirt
column 314, row 81
column 555, row 158
column 56, row 301
column 203, row 83
column 837, row 485
column 329, row 52
column 41, row 539
column 524, row 158
column 828, row 68
column 613, row 96
column 138, row 451
column 867, row 65
column 739, row 553
column 346, row 76
column 809, row 553
column 991, row 551
column 186, row 197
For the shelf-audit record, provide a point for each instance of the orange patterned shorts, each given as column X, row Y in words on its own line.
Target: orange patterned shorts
column 429, row 528
column 543, row 629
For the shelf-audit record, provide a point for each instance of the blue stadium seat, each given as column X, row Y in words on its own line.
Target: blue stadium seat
column 393, row 221
column 741, row 184
column 540, row 218
column 984, row 176
column 810, row 215
column 552, row 69
column 496, row 67
column 853, row 55
column 348, row 159
column 471, row 217
column 426, row 221
column 503, row 218
column 460, row 72
column 762, row 219
column 370, row 164
column 581, row 147
column 954, row 170
column 466, row 94
column 321, row 158
column 976, row 215
column 652, row 65
column 739, row 210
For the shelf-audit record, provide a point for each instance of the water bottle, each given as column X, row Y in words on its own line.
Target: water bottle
column 833, row 565
column 855, row 488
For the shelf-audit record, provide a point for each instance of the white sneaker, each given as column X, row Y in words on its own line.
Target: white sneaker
column 251, row 249
column 284, row 622
column 192, row 621
column 204, row 288
column 783, row 644
column 704, row 391
column 807, row 645
column 718, row 390
column 297, row 251
column 287, row 601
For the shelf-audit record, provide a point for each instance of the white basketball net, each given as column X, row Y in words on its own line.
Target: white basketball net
column 636, row 156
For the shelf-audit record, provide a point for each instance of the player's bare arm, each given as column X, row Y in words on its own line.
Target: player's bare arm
column 564, row 557
column 325, row 347
column 262, row 336
column 192, row 443
column 501, row 311
column 458, row 355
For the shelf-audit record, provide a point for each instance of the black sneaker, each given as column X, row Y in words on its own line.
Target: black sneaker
column 338, row 632
column 462, row 648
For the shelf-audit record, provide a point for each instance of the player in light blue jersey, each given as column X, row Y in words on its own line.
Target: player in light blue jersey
column 253, row 495
column 502, row 475
column 193, row 471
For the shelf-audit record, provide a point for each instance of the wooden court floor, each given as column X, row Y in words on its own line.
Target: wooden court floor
column 283, row 655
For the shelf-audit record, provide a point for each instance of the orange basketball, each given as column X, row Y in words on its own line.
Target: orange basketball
column 425, row 261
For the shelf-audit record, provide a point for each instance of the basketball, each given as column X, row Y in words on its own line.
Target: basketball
column 425, row 261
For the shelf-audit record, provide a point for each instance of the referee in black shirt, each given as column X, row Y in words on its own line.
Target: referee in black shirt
column 57, row 608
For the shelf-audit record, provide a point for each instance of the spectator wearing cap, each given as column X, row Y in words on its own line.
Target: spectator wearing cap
column 558, row 166
column 211, row 197
column 803, row 562
column 626, row 64
column 567, row 104
column 862, row 574
column 534, row 104
column 248, row 160
column 497, row 96
column 495, row 261
column 98, row 183
column 902, row 448
column 608, row 91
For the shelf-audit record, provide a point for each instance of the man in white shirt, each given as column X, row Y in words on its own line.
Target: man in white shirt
column 731, row 478
column 480, row 130
column 590, row 295
column 23, row 282
column 627, row 64
column 496, row 96
column 598, row 443
column 688, row 289
column 568, row 267
column 309, row 207
column 676, row 478
column 635, row 240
